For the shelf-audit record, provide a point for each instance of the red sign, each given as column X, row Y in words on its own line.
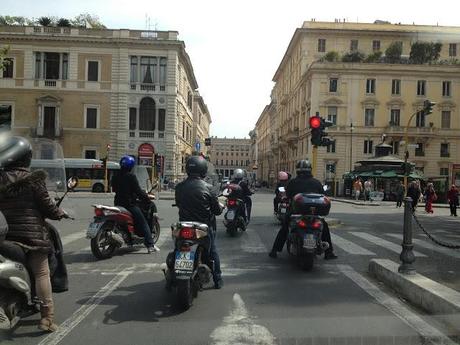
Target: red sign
column 145, row 150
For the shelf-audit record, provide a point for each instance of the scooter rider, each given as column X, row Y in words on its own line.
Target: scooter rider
column 197, row 202
column 238, row 178
column 127, row 191
column 303, row 183
column 25, row 203
column 283, row 179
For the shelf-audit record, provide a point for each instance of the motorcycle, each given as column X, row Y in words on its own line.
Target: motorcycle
column 113, row 226
column 305, row 228
column 233, row 217
column 282, row 206
column 17, row 291
column 188, row 267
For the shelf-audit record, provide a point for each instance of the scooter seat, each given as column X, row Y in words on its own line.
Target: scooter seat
column 13, row 251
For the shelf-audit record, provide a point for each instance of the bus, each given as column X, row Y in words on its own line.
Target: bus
column 90, row 173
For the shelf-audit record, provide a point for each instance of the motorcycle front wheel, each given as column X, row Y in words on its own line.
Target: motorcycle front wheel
column 102, row 245
column 184, row 294
column 155, row 229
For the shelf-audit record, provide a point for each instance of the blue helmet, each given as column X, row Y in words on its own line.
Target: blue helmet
column 127, row 162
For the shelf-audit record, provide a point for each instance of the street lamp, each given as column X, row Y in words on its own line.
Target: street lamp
column 351, row 146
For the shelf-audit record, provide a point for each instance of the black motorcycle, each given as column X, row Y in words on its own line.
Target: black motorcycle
column 233, row 216
column 305, row 228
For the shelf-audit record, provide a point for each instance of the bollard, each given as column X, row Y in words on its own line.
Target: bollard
column 407, row 255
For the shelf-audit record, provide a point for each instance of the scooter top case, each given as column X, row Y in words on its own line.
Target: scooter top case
column 3, row 227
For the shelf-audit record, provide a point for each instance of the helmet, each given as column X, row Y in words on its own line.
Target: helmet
column 196, row 166
column 127, row 162
column 15, row 152
column 303, row 167
column 283, row 176
column 238, row 174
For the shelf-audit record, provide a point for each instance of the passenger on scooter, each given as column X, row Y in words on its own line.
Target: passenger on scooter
column 127, row 191
column 283, row 179
column 303, row 183
column 25, row 203
column 197, row 202
column 238, row 178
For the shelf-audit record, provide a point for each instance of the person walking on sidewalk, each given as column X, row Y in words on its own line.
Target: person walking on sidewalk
column 367, row 190
column 452, row 197
column 414, row 193
column 358, row 187
column 400, row 189
column 430, row 197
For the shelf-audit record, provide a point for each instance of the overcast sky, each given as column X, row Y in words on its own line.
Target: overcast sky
column 235, row 46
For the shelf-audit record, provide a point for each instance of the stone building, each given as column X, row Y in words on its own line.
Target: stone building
column 228, row 154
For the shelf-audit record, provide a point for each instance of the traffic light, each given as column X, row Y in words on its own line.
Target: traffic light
column 428, row 107
column 318, row 126
column 104, row 162
column 207, row 141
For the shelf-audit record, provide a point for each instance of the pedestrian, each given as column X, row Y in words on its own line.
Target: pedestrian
column 367, row 190
column 400, row 190
column 452, row 197
column 414, row 193
column 358, row 187
column 430, row 197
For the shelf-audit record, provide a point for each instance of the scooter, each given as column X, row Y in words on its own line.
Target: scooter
column 282, row 206
column 233, row 217
column 17, row 295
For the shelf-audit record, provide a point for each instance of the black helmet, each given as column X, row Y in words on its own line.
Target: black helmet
column 15, row 152
column 196, row 166
column 303, row 167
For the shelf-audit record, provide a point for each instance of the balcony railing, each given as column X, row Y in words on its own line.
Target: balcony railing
column 50, row 83
column 51, row 133
column 145, row 134
column 147, row 87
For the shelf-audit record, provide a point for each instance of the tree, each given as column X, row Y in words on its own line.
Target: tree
column 353, row 57
column 87, row 20
column 331, row 56
column 44, row 21
column 393, row 52
column 425, row 52
column 64, row 22
column 374, row 57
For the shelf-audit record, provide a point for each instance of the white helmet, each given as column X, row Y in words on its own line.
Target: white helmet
column 238, row 174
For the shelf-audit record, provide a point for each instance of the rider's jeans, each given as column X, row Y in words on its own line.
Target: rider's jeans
column 214, row 256
column 140, row 224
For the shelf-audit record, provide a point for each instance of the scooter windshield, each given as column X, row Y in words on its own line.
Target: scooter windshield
column 48, row 156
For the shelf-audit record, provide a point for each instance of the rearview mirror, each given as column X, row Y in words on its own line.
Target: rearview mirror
column 281, row 189
column 325, row 187
column 72, row 182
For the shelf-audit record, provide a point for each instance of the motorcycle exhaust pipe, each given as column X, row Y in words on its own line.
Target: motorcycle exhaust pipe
column 324, row 245
column 117, row 239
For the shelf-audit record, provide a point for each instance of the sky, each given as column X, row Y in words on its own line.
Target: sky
column 236, row 46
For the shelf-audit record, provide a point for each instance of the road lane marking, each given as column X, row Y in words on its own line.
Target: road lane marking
column 421, row 243
column 349, row 246
column 397, row 308
column 252, row 243
column 73, row 237
column 81, row 313
column 165, row 234
column 239, row 328
column 383, row 243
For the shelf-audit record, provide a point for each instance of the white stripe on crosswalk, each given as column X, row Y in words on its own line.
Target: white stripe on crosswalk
column 417, row 242
column 383, row 243
column 349, row 247
column 73, row 237
column 251, row 242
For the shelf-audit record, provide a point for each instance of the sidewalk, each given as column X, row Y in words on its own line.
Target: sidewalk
column 378, row 203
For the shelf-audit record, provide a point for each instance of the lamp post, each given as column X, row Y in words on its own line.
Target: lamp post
column 351, row 146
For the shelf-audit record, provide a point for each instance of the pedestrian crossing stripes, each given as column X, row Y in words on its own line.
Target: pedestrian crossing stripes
column 349, row 247
column 383, row 243
column 423, row 244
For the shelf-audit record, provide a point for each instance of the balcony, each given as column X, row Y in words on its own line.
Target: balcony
column 50, row 133
column 146, row 134
column 147, row 87
column 417, row 131
column 292, row 135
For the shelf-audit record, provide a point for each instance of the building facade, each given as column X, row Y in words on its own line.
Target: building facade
column 367, row 101
column 133, row 90
column 228, row 154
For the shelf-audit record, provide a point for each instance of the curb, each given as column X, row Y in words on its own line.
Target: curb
column 346, row 201
column 423, row 292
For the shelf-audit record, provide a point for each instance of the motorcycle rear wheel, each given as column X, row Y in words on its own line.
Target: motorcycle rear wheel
column 184, row 294
column 101, row 245
column 232, row 230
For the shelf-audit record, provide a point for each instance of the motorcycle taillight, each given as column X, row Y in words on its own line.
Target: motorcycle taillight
column 302, row 224
column 98, row 212
column 316, row 224
column 231, row 202
column 187, row 233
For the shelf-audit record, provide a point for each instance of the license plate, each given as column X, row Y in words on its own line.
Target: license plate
column 282, row 210
column 93, row 228
column 231, row 215
column 309, row 241
column 184, row 261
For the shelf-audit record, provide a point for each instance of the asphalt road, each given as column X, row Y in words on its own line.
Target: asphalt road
column 264, row 301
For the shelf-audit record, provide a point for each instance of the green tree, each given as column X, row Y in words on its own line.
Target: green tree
column 87, row 20
column 425, row 52
column 64, row 22
column 44, row 21
column 374, row 57
column 331, row 56
column 353, row 57
column 393, row 52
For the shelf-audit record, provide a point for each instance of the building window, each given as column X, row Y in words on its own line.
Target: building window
column 396, row 87
column 147, row 114
column 93, row 71
column 161, row 119
column 132, row 119
column 133, row 70
column 333, row 84
column 445, row 119
column 148, row 69
column 421, row 89
column 369, row 117
column 8, row 68
column 6, row 112
column 420, row 150
column 446, row 88
column 420, row 119
column 242, row 163
column 226, row 162
column 90, row 154
column 368, row 146
column 321, row 45
column 395, row 146
column 332, row 115
column 331, row 147
column 395, row 117
column 91, row 119
column 163, row 64
column 354, row 45
column 330, row 168
column 376, row 45
column 444, row 150
column 453, row 49
column 221, row 162
column 370, row 86
column 444, row 171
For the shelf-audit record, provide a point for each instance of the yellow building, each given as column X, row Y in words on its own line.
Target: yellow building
column 368, row 100
column 88, row 88
column 228, row 154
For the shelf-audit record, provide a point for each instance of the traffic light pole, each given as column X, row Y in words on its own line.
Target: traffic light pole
column 314, row 157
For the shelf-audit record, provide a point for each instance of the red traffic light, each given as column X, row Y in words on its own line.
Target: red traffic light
column 315, row 122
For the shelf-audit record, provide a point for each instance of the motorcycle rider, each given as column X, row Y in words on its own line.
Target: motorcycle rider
column 127, row 191
column 197, row 202
column 25, row 203
column 238, row 178
column 303, row 183
column 283, row 179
